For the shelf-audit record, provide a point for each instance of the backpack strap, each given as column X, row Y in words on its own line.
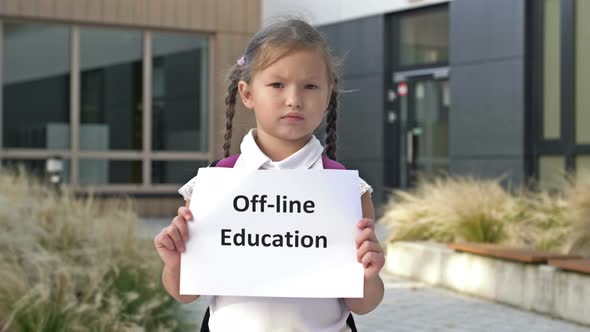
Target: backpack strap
column 331, row 164
column 228, row 162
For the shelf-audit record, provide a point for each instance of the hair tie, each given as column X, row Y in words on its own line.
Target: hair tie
column 241, row 61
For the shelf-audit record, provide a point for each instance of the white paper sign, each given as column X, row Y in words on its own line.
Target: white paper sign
column 288, row 233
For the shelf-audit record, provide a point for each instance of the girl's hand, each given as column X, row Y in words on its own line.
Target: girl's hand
column 170, row 241
column 369, row 252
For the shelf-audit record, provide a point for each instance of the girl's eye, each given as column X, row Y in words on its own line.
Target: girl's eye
column 276, row 85
column 311, row 86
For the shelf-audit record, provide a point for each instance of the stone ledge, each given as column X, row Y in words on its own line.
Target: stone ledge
column 536, row 287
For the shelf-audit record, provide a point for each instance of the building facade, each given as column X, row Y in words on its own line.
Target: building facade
column 129, row 94
column 464, row 87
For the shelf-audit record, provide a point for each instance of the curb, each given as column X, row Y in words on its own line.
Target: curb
column 539, row 288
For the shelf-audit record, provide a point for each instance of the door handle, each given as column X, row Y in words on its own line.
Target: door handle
column 410, row 146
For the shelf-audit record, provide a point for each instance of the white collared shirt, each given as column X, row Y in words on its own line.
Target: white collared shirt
column 261, row 314
column 251, row 157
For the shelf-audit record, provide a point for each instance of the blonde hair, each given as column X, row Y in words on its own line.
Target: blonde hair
column 268, row 46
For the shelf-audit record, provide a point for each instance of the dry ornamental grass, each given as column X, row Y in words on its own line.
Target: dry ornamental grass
column 454, row 209
column 70, row 264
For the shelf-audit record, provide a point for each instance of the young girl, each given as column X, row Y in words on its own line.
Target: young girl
column 287, row 78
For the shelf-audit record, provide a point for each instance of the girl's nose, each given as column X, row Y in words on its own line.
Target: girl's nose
column 294, row 99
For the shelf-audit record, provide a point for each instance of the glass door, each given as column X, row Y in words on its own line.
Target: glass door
column 424, row 129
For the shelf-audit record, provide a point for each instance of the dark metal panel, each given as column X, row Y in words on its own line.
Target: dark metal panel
column 568, row 63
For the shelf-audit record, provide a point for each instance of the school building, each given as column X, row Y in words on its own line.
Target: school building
column 129, row 94
column 469, row 87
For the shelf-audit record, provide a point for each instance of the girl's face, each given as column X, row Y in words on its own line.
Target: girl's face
column 289, row 97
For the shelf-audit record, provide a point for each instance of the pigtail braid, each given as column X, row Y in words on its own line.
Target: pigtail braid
column 331, row 125
column 230, row 110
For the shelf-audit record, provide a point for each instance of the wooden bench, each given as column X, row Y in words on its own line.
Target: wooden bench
column 513, row 254
column 581, row 265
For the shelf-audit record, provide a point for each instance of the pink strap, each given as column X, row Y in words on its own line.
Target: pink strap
column 331, row 164
column 230, row 161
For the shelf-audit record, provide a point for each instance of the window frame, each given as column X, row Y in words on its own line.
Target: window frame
column 535, row 143
column 146, row 155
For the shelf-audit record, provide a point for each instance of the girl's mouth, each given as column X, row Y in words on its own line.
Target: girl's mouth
column 292, row 116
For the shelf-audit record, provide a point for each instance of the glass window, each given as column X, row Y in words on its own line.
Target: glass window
column 101, row 171
column 551, row 171
column 36, row 86
column 551, row 70
column 582, row 72
column 178, row 172
column 36, row 167
column 111, row 89
column 424, row 38
column 179, row 92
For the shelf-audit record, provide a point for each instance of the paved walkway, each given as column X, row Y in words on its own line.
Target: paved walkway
column 410, row 306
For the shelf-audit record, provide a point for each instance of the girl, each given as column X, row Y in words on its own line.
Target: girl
column 287, row 78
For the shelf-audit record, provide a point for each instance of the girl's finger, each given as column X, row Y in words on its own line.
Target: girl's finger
column 366, row 223
column 185, row 213
column 182, row 228
column 366, row 234
column 175, row 218
column 373, row 258
column 366, row 247
column 168, row 243
column 369, row 258
column 175, row 236
column 162, row 240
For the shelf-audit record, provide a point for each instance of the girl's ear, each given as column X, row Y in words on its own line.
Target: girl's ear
column 245, row 94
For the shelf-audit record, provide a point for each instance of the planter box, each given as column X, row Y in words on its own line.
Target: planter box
column 537, row 287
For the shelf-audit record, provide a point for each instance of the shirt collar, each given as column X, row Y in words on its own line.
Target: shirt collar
column 252, row 157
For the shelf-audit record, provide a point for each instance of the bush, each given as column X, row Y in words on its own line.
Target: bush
column 451, row 209
column 578, row 195
column 455, row 209
column 69, row 264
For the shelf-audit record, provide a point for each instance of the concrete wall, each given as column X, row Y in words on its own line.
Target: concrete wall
column 360, row 126
column 539, row 288
column 487, row 82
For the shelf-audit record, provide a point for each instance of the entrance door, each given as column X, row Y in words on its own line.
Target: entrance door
column 419, row 141
column 426, row 129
